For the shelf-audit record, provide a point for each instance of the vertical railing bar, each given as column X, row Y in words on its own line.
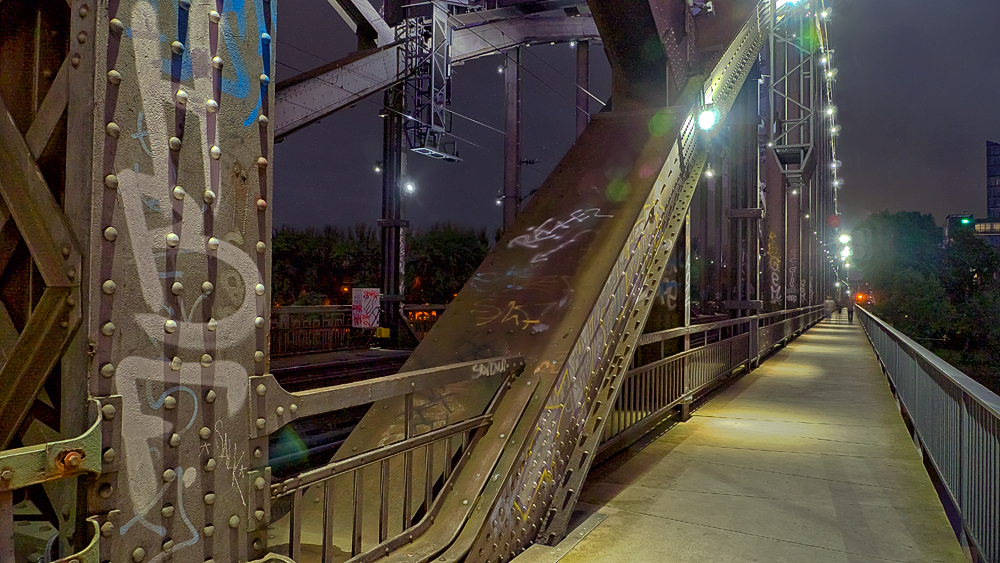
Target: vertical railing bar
column 428, row 476
column 408, row 464
column 295, row 526
column 328, row 521
column 7, row 526
column 358, row 500
column 383, row 512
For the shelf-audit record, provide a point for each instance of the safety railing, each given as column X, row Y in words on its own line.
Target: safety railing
column 367, row 505
column 652, row 391
column 301, row 330
column 956, row 424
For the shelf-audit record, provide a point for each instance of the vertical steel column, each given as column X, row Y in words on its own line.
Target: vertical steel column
column 512, row 141
column 582, row 86
column 392, row 223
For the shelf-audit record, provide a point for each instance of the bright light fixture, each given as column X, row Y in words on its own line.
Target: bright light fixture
column 709, row 173
column 707, row 119
column 500, row 69
column 410, row 188
column 844, row 239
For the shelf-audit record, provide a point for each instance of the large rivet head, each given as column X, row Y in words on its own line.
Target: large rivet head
column 264, row 79
column 170, row 326
column 261, row 423
column 113, row 130
column 169, row 475
column 177, row 288
column 107, row 528
column 259, row 483
column 167, row 511
column 138, row 554
column 206, row 360
column 110, row 234
column 207, row 287
column 262, row 120
column 259, row 515
column 209, row 532
column 168, row 544
column 182, row 97
column 215, row 152
column 210, row 396
column 173, row 240
column 259, row 289
column 109, row 455
column 210, row 498
column 261, row 205
column 116, row 25
column 175, row 364
column 109, row 287
column 261, row 162
column 213, row 243
column 258, row 356
column 261, row 390
column 214, row 16
column 259, row 322
column 108, row 370
column 209, row 197
column 174, row 143
column 108, row 328
column 210, row 465
column 81, row 37
column 212, row 106
column 234, row 521
column 114, row 77
column 258, row 453
column 170, row 402
column 179, row 193
column 205, row 433
column 261, row 247
column 177, row 47
column 212, row 324
column 84, row 10
column 217, row 62
column 111, row 182
column 109, row 411
column 175, row 440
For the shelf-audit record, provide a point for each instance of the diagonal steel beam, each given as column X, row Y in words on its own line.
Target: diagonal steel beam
column 35, row 210
column 33, row 357
column 49, row 112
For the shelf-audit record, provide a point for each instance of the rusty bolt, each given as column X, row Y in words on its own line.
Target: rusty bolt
column 73, row 459
column 6, row 475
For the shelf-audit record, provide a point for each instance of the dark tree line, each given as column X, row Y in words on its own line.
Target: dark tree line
column 943, row 294
column 317, row 267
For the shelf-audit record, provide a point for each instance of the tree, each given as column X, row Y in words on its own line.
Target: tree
column 886, row 244
column 440, row 261
column 917, row 305
column 970, row 265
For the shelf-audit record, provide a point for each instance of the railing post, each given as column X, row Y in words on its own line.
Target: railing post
column 6, row 527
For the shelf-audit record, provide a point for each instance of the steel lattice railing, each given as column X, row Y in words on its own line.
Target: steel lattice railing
column 956, row 424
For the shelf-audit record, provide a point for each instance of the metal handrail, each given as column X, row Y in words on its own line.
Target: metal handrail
column 956, row 424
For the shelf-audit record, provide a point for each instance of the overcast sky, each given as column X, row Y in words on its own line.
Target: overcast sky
column 918, row 95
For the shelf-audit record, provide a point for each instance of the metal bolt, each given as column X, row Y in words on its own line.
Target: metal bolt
column 261, row 390
column 259, row 322
column 109, row 455
column 261, row 205
column 261, row 247
column 116, row 25
column 262, row 162
column 168, row 545
column 259, row 483
column 107, row 528
column 181, row 97
column 110, row 234
column 170, row 402
column 71, row 272
column 179, row 192
column 293, row 407
column 257, row 453
column 210, row 498
column 175, row 439
column 167, row 511
column 109, row 287
column 217, row 62
column 205, row 433
column 105, row 490
column 109, row 411
column 177, row 288
column 108, row 328
column 6, row 475
column 114, row 77
column 138, row 554
column 264, row 79
column 214, row 16
column 258, row 356
column 66, row 250
column 212, row 106
column 169, row 475
column 209, row 532
column 259, row 289
column 84, row 10
column 261, row 423
column 210, row 465
column 177, row 47
column 209, row 197
column 75, row 60
column 257, row 544
column 234, row 521
column 108, row 370
column 262, row 120
column 215, row 152
column 82, row 37
column 170, row 326
column 258, row 514
column 174, row 143
column 73, row 460
column 206, row 360
column 280, row 410
column 213, row 243
column 111, row 182
column 212, row 324
column 210, row 396
column 175, row 364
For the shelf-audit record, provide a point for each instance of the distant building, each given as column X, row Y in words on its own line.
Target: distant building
column 989, row 230
column 955, row 223
column 992, row 180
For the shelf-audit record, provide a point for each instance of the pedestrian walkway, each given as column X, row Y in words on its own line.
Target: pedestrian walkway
column 805, row 459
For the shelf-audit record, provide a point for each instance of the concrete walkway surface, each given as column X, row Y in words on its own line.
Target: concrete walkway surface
column 805, row 459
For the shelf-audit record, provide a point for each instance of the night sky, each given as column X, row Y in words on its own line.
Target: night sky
column 917, row 96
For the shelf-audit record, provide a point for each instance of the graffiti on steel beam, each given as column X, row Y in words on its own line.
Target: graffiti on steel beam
column 555, row 234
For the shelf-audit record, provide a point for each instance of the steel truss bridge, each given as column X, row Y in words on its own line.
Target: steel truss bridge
column 136, row 141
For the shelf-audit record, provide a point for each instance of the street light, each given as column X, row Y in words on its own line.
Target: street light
column 844, row 239
column 708, row 118
column 409, row 187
